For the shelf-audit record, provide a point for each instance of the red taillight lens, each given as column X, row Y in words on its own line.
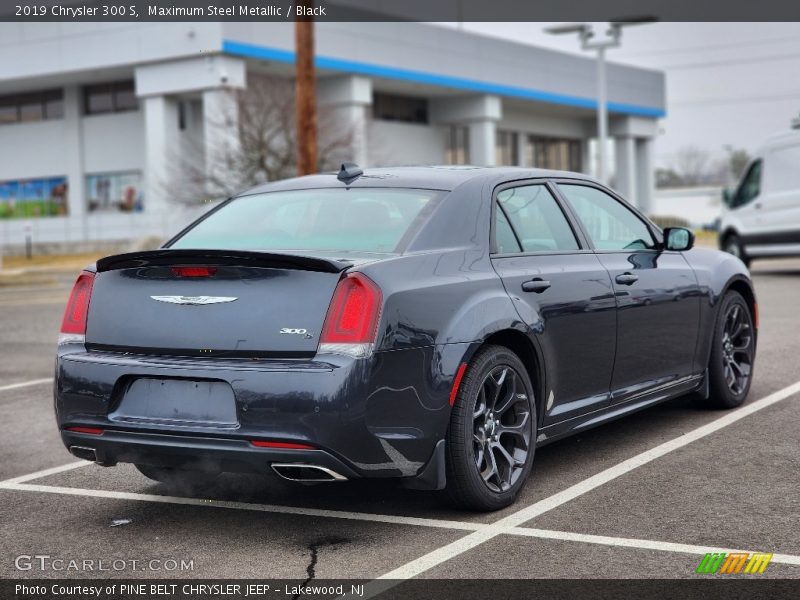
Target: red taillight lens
column 282, row 445
column 78, row 305
column 354, row 312
column 194, row 271
column 89, row 430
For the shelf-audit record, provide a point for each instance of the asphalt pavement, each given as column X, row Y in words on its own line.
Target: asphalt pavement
column 643, row 497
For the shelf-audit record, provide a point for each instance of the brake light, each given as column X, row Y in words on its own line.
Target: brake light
column 282, row 445
column 194, row 271
column 351, row 324
column 73, row 326
column 89, row 430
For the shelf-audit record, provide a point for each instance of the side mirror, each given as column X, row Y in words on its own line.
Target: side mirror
column 678, row 239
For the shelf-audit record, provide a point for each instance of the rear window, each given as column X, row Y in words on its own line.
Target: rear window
column 365, row 220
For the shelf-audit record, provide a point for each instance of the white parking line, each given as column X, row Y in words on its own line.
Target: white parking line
column 270, row 508
column 547, row 534
column 639, row 544
column 472, row 540
column 22, row 384
column 45, row 473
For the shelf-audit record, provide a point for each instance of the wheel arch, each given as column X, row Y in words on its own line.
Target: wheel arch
column 521, row 345
column 742, row 285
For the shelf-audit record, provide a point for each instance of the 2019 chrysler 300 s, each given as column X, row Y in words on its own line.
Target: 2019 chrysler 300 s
column 431, row 324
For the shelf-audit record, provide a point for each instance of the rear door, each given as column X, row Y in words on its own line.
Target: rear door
column 658, row 299
column 562, row 293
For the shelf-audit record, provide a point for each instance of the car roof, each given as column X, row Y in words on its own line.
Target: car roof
column 445, row 178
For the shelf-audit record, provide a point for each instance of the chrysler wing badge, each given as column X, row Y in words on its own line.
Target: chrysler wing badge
column 194, row 300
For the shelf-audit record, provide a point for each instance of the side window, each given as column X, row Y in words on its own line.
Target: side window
column 537, row 219
column 750, row 186
column 610, row 224
column 504, row 239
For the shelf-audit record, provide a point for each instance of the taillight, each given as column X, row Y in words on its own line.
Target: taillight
column 87, row 430
column 194, row 271
column 73, row 326
column 351, row 324
column 282, row 445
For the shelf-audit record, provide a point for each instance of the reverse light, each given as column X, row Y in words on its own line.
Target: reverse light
column 89, row 430
column 73, row 326
column 282, row 445
column 351, row 324
column 194, row 271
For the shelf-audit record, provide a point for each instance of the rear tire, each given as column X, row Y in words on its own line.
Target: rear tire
column 730, row 368
column 733, row 245
column 492, row 435
column 182, row 479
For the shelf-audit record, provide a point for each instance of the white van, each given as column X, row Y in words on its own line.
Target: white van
column 762, row 215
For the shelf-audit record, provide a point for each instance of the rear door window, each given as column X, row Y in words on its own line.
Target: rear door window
column 536, row 218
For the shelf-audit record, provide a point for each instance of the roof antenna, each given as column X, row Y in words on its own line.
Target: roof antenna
column 349, row 173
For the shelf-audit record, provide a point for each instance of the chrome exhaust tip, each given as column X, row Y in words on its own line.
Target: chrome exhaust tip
column 84, row 453
column 306, row 473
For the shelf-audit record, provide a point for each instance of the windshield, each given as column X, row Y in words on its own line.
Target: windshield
column 340, row 220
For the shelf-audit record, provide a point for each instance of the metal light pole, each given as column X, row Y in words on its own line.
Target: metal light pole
column 611, row 38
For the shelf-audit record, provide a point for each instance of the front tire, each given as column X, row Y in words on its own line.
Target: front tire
column 492, row 435
column 730, row 368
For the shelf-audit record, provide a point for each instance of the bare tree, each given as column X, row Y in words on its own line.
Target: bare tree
column 254, row 140
column 692, row 164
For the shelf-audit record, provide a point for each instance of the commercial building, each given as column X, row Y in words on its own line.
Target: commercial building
column 93, row 117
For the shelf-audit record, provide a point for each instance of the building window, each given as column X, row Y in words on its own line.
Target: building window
column 553, row 153
column 391, row 107
column 115, row 192
column 31, row 198
column 117, row 96
column 456, row 150
column 32, row 106
column 505, row 148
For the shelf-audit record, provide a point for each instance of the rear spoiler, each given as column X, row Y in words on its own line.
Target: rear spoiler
column 239, row 258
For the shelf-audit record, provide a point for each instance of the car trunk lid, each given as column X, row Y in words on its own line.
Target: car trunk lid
column 211, row 303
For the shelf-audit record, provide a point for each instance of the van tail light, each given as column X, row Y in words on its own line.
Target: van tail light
column 73, row 326
column 351, row 324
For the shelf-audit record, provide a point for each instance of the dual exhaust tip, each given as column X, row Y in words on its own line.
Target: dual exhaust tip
column 84, row 453
column 290, row 471
column 306, row 473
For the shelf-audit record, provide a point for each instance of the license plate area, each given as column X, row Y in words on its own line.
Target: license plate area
column 177, row 402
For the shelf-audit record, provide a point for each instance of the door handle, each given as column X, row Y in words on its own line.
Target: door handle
column 627, row 279
column 537, row 285
column 757, row 205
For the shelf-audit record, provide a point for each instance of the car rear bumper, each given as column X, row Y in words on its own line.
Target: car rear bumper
column 375, row 417
column 196, row 452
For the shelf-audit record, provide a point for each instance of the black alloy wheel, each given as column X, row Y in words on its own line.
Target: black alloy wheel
column 492, row 435
column 730, row 369
column 502, row 432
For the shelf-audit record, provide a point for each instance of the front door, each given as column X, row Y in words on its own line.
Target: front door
column 562, row 293
column 658, row 298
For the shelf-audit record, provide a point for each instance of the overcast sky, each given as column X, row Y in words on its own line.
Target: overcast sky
column 727, row 83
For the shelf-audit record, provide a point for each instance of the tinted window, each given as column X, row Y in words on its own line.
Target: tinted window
column 370, row 220
column 750, row 186
column 536, row 217
column 504, row 239
column 610, row 224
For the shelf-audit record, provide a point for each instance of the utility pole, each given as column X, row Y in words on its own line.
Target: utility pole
column 305, row 94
